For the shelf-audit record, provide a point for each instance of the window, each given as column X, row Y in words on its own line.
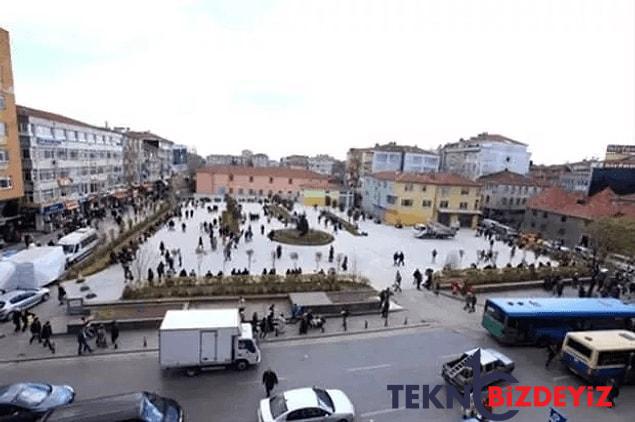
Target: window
column 465, row 191
column 3, row 129
column 271, row 180
column 561, row 232
column 616, row 357
column 487, row 199
column 406, row 202
column 3, row 102
column 251, row 179
column 424, row 188
column 476, row 204
column 579, row 347
column 290, row 181
column 463, row 205
column 504, row 201
column 231, row 191
column 408, row 187
column 231, row 178
column 260, row 192
column 240, row 191
column 544, row 215
column 533, row 225
column 517, row 201
column 4, row 155
column 5, row 182
column 563, row 218
column 391, row 199
column 443, row 204
column 445, row 191
column 426, row 203
column 525, row 202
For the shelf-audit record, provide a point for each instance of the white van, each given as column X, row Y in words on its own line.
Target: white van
column 79, row 244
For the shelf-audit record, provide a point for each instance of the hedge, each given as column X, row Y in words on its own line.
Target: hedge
column 244, row 285
column 351, row 228
column 509, row 275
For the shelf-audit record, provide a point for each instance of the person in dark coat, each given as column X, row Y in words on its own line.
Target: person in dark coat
column 36, row 331
column 551, row 354
column 615, row 391
column 150, row 275
column 160, row 270
column 16, row 317
column 418, row 278
column 24, row 316
column 269, row 379
column 114, row 334
column 61, row 294
column 82, row 343
column 46, row 334
column 331, row 253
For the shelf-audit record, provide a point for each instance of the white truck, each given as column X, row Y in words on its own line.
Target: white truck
column 193, row 339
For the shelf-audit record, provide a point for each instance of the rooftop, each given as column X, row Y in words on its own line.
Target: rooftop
column 603, row 204
column 448, row 179
column 263, row 171
column 145, row 135
column 507, row 177
column 484, row 138
column 393, row 147
column 200, row 319
column 46, row 115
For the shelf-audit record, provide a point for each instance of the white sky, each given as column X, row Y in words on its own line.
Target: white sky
column 321, row 76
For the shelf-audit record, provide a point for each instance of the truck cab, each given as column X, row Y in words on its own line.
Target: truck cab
column 247, row 351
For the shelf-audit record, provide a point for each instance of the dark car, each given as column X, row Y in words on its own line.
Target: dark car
column 27, row 401
column 140, row 407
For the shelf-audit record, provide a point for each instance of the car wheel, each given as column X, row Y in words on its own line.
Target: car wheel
column 45, row 297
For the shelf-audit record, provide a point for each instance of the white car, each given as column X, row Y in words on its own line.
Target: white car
column 307, row 404
column 18, row 300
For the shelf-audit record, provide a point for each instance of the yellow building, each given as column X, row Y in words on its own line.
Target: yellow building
column 409, row 198
column 311, row 195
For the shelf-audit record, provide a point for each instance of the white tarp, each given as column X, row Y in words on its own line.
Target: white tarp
column 38, row 266
column 7, row 273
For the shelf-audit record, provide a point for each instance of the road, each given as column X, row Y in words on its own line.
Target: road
column 360, row 365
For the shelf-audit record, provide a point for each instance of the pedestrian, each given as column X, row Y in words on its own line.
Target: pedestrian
column 385, row 308
column 270, row 380
column 61, row 293
column 114, row 334
column 402, row 259
column 574, row 280
column 331, row 254
column 614, row 392
column 418, row 278
column 36, row 330
column 344, row 314
column 559, row 287
column 82, row 343
column 434, row 255
column 397, row 285
column 345, row 264
column 468, row 301
column 263, row 327
column 473, row 303
column 46, row 334
column 551, row 353
column 24, row 316
column 16, row 318
column 395, row 259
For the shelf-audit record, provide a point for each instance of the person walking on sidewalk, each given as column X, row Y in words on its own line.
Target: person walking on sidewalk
column 24, row 316
column 397, row 285
column 269, row 379
column 82, row 343
column 16, row 317
column 114, row 334
column 434, row 255
column 47, row 332
column 36, row 331
column 418, row 278
column 61, row 293
column 345, row 315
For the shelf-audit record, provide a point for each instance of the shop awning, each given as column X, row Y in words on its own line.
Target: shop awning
column 120, row 194
column 71, row 205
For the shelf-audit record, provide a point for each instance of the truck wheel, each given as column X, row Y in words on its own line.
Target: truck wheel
column 241, row 365
column 192, row 372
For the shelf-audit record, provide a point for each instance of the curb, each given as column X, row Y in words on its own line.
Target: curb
column 273, row 340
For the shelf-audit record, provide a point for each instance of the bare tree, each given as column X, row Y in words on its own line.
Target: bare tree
column 318, row 258
column 250, row 255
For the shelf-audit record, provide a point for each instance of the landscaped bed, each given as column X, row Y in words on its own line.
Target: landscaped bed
column 293, row 237
column 507, row 275
column 245, row 285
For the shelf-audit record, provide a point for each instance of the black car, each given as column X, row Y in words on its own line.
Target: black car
column 27, row 401
column 139, row 407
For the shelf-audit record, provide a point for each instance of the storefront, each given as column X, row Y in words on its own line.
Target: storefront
column 49, row 217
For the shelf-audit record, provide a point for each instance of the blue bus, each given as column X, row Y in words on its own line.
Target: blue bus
column 540, row 321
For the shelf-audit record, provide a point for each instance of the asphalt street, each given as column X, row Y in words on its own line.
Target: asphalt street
column 360, row 365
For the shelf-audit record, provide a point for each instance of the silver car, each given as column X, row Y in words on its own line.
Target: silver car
column 307, row 404
column 18, row 300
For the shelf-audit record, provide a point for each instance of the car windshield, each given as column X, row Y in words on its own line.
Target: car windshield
column 153, row 409
column 278, row 405
column 324, row 400
column 32, row 395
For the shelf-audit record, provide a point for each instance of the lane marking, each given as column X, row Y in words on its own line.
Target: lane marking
column 560, row 378
column 444, row 357
column 381, row 412
column 368, row 368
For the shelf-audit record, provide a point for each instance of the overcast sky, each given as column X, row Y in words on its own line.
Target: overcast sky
column 321, row 76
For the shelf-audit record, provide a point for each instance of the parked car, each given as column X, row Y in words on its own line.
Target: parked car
column 130, row 407
column 24, row 401
column 458, row 373
column 312, row 404
column 20, row 299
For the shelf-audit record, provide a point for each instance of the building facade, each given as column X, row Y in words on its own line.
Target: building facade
column 11, row 187
column 325, row 196
column 246, row 158
column 504, row 196
column 245, row 181
column 619, row 152
column 409, row 198
column 484, row 154
column 67, row 165
column 295, row 161
column 403, row 158
column 322, row 164
column 164, row 151
column 564, row 216
column 179, row 159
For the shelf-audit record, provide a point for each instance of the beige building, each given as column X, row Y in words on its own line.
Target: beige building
column 10, row 162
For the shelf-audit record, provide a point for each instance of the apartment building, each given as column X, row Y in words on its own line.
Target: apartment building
column 484, row 154
column 295, row 161
column 243, row 181
column 164, row 152
column 504, row 196
column 414, row 198
column 403, row 158
column 11, row 187
column 68, row 166
column 141, row 160
column 322, row 164
column 619, row 152
column 246, row 158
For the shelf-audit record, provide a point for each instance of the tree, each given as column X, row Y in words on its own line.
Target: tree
column 612, row 235
column 250, row 255
column 302, row 225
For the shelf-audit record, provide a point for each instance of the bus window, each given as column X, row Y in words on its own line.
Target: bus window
column 579, row 347
column 495, row 314
column 609, row 358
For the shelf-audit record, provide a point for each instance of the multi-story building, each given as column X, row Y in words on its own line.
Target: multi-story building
column 619, row 152
column 359, row 164
column 246, row 158
column 67, row 166
column 141, row 160
column 322, row 164
column 295, row 161
column 164, row 151
column 576, row 177
column 565, row 216
column 246, row 181
column 413, row 198
column 179, row 159
column 11, row 187
column 485, row 154
column 504, row 196
column 403, row 158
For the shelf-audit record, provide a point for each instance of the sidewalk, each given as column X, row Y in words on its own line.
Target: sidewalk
column 16, row 347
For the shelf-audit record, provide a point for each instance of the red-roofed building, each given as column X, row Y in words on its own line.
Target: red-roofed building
column 564, row 216
column 504, row 196
column 416, row 198
column 243, row 181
